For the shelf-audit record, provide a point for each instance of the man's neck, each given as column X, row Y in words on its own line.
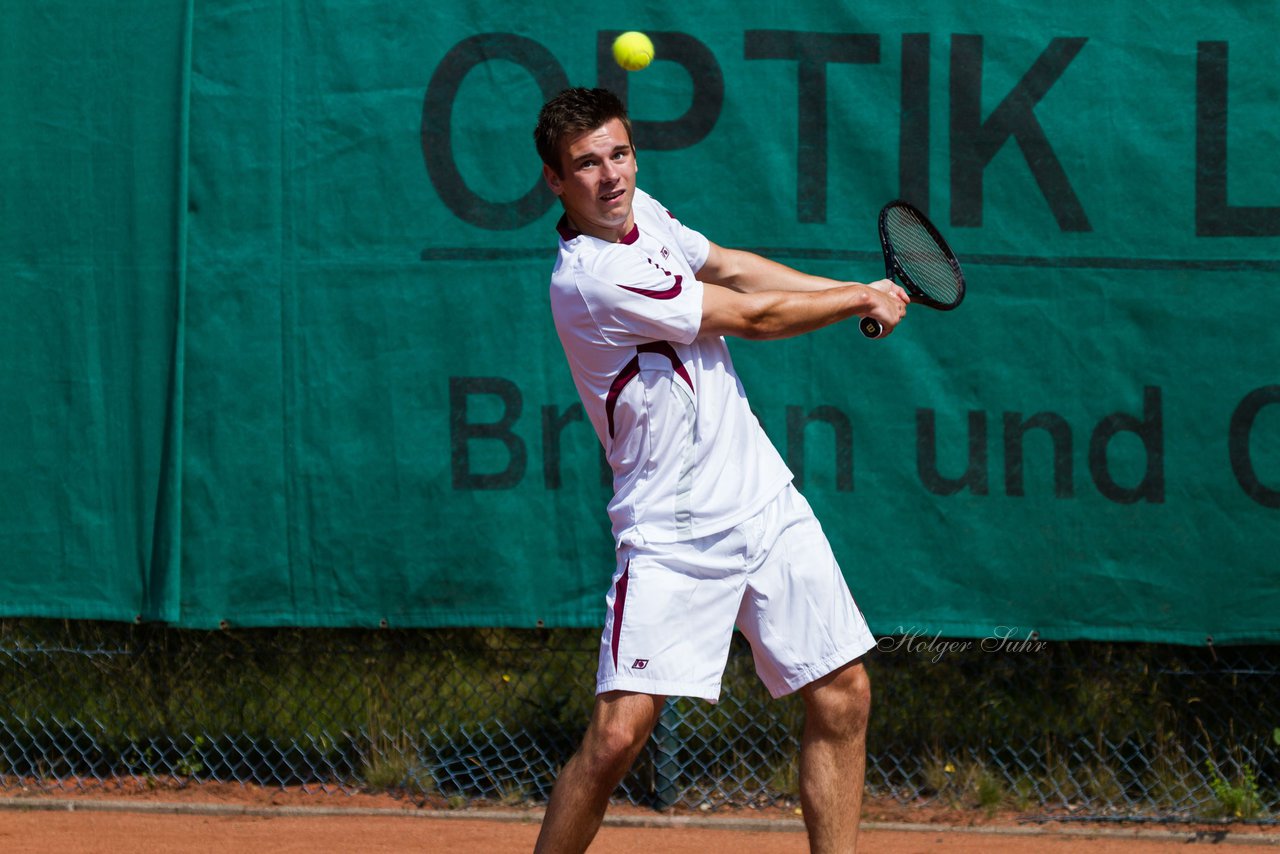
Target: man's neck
column 607, row 234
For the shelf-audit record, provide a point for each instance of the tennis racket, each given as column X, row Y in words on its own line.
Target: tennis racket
column 916, row 257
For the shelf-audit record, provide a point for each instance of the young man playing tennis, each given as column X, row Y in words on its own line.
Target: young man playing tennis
column 709, row 530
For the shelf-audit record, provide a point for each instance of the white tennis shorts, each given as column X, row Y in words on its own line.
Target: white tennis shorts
column 672, row 607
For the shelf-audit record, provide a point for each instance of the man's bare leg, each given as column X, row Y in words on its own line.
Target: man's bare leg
column 833, row 758
column 620, row 725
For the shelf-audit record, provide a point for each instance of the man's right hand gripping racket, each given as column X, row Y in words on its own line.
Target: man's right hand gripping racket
column 916, row 257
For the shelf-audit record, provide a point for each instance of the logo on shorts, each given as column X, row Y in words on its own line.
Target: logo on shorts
column 640, row 664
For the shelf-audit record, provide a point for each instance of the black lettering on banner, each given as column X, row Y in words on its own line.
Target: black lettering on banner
column 813, row 52
column 975, row 142
column 1239, row 436
column 1015, row 428
column 462, row 432
column 842, row 429
column 1150, row 431
column 1215, row 217
column 437, row 126
column 913, row 122
column 974, row 477
column 708, row 89
column 553, row 423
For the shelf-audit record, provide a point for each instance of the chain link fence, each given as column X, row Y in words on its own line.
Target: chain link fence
column 451, row 717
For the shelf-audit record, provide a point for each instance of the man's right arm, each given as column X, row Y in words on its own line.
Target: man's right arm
column 769, row 314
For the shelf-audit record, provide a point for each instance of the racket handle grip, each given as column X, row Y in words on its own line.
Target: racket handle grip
column 870, row 327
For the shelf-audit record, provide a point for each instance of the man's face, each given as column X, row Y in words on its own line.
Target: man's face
column 599, row 181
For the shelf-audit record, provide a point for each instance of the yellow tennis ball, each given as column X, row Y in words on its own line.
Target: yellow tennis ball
column 633, row 51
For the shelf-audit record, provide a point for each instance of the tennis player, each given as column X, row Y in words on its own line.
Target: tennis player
column 710, row 532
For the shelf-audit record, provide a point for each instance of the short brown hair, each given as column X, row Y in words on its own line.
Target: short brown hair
column 572, row 112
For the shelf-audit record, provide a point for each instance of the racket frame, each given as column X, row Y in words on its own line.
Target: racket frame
column 893, row 270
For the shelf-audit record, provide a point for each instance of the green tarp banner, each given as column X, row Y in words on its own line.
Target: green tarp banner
column 276, row 347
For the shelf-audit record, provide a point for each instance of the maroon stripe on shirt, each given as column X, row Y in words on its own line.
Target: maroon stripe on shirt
column 632, row 370
column 669, row 293
column 619, row 603
column 665, row 348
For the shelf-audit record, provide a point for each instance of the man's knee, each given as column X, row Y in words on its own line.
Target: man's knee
column 855, row 695
column 616, row 735
column 615, row 740
column 841, row 702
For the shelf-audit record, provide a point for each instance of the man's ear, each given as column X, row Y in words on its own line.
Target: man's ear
column 553, row 180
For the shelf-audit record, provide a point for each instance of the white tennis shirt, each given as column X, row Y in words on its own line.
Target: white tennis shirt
column 689, row 458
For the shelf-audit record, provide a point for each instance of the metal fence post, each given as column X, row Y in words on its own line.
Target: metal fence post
column 666, row 763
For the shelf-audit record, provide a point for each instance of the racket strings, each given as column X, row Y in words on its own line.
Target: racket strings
column 920, row 256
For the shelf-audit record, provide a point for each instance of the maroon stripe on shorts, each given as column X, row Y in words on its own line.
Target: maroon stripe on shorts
column 619, row 602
